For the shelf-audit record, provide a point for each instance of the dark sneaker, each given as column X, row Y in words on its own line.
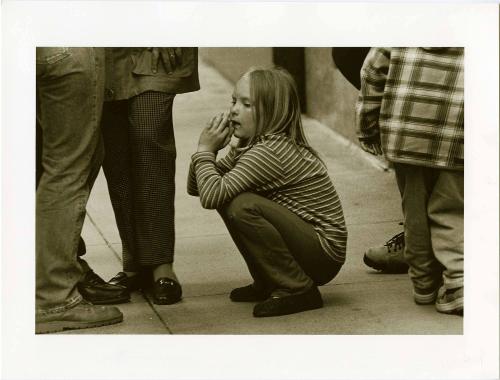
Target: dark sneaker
column 295, row 303
column 389, row 257
column 450, row 301
column 95, row 290
column 248, row 293
column 84, row 315
column 166, row 291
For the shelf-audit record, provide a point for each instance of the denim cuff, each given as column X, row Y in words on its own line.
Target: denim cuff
column 454, row 284
column 72, row 302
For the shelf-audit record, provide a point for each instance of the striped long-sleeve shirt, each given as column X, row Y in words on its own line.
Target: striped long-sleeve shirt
column 279, row 170
column 413, row 100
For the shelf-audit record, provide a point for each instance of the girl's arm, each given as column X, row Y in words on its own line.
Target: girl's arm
column 222, row 166
column 259, row 168
column 214, row 137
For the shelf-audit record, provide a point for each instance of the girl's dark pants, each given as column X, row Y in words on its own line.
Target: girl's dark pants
column 282, row 251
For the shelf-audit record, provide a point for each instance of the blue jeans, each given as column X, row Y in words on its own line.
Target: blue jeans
column 70, row 90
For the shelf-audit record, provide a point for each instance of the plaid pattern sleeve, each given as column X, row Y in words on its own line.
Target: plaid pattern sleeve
column 369, row 102
column 420, row 112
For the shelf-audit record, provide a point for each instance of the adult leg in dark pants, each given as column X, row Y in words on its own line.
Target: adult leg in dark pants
column 282, row 251
column 140, row 171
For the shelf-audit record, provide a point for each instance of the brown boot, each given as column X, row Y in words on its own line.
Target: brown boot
column 84, row 315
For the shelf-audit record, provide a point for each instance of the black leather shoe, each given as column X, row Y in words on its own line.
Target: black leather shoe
column 291, row 304
column 95, row 290
column 166, row 291
column 248, row 293
column 131, row 283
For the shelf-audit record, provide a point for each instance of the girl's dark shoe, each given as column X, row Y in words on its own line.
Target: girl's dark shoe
column 248, row 293
column 291, row 304
column 132, row 283
column 166, row 291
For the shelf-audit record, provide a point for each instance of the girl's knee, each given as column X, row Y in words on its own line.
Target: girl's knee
column 239, row 207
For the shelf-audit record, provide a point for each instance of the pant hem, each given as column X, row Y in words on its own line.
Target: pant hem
column 453, row 284
column 60, row 309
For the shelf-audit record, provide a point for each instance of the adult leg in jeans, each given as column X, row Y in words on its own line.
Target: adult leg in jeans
column 283, row 248
column 69, row 94
column 91, row 286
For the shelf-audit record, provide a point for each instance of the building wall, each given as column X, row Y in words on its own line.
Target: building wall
column 330, row 98
column 232, row 62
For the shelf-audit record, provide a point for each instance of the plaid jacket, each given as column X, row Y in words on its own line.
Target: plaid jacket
column 412, row 103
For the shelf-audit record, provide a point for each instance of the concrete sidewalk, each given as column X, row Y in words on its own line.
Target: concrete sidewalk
column 358, row 301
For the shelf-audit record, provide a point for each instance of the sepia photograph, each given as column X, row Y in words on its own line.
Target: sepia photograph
column 301, row 190
column 298, row 217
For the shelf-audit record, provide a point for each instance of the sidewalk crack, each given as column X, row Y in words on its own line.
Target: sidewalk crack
column 118, row 256
column 110, row 246
column 158, row 315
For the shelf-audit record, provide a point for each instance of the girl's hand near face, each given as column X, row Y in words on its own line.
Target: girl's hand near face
column 216, row 134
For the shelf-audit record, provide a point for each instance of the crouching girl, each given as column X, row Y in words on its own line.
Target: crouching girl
column 274, row 195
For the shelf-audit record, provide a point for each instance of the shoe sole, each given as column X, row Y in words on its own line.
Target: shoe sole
column 453, row 307
column 58, row 326
column 394, row 269
column 315, row 302
column 157, row 301
column 114, row 301
column 288, row 312
column 248, row 300
column 425, row 299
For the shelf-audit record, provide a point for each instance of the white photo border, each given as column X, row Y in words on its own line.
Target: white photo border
column 27, row 24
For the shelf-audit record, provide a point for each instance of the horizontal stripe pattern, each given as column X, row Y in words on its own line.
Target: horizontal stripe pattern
column 282, row 172
column 413, row 100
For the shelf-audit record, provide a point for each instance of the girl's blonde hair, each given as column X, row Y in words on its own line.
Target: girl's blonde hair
column 276, row 105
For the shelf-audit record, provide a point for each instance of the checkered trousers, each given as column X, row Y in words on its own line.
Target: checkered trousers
column 413, row 100
column 139, row 166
